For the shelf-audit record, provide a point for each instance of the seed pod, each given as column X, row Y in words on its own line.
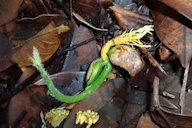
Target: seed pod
column 127, row 58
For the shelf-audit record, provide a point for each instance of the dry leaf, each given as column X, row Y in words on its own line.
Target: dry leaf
column 46, row 41
column 128, row 18
column 145, row 121
column 173, row 34
column 86, row 8
column 182, row 6
column 164, row 52
column 5, row 52
column 8, row 10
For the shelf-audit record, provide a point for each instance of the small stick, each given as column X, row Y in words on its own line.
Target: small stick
column 156, row 101
column 37, row 17
column 152, row 60
column 183, row 89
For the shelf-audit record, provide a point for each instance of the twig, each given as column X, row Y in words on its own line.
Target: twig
column 37, row 17
column 152, row 60
column 183, row 89
column 156, row 103
column 29, row 80
column 156, row 92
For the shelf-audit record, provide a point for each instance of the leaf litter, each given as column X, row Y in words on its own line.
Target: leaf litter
column 121, row 101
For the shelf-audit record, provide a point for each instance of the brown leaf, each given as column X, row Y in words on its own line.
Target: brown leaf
column 23, row 102
column 8, row 10
column 5, row 52
column 96, row 100
column 145, row 121
column 128, row 18
column 182, row 6
column 82, row 55
column 86, row 8
column 46, row 41
column 173, row 32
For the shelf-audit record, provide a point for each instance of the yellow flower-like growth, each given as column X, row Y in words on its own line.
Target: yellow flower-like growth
column 62, row 28
column 131, row 38
column 56, row 116
column 89, row 117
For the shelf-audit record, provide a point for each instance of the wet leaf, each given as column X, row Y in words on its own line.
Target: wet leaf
column 174, row 32
column 129, row 18
column 46, row 41
column 8, row 10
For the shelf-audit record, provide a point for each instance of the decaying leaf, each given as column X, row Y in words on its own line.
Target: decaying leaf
column 5, row 52
column 96, row 100
column 182, row 6
column 164, row 52
column 8, row 10
column 46, row 41
column 86, row 8
column 129, row 18
column 174, row 34
column 145, row 121
column 127, row 58
column 26, row 101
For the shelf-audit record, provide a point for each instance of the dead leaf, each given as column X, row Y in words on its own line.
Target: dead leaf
column 8, row 10
column 145, row 121
column 129, row 18
column 173, row 33
column 5, row 52
column 23, row 102
column 86, row 8
column 69, row 83
column 82, row 55
column 182, row 6
column 46, row 41
column 96, row 100
column 164, row 52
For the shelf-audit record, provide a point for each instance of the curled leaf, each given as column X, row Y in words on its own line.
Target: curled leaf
column 46, row 41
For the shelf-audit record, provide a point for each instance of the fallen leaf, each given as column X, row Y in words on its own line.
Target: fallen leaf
column 174, row 32
column 96, row 100
column 86, row 8
column 23, row 102
column 8, row 10
column 69, row 83
column 129, row 18
column 145, row 121
column 46, row 41
column 182, row 6
column 5, row 52
column 82, row 55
